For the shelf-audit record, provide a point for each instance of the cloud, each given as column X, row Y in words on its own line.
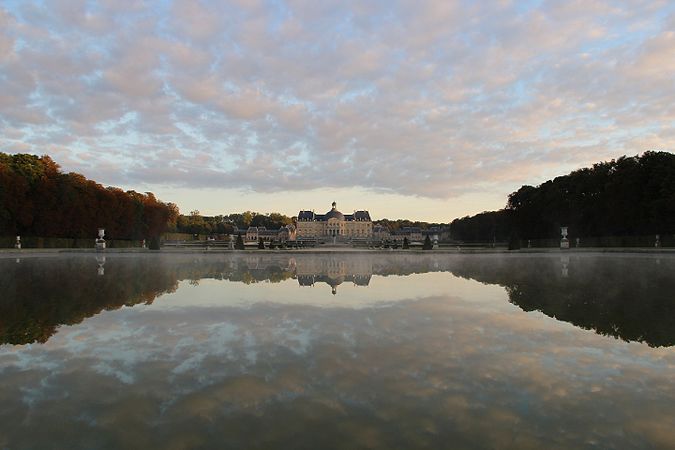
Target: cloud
column 436, row 99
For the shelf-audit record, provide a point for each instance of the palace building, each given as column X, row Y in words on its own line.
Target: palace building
column 334, row 224
column 283, row 234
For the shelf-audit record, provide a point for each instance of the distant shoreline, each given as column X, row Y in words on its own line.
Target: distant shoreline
column 11, row 252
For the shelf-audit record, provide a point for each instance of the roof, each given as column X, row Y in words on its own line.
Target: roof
column 306, row 215
column 266, row 232
column 306, row 280
column 310, row 216
column 334, row 214
column 362, row 216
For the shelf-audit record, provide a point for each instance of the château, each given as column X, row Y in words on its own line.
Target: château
column 334, row 224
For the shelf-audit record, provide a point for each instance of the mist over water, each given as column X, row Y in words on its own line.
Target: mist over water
column 337, row 351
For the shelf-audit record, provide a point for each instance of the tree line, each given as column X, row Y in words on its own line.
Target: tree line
column 629, row 196
column 195, row 223
column 38, row 199
column 592, row 296
column 397, row 224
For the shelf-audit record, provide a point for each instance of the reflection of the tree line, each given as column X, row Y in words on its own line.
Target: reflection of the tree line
column 39, row 294
column 628, row 298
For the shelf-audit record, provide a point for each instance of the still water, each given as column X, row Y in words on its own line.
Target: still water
column 337, row 351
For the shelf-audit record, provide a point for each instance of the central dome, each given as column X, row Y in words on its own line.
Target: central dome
column 334, row 214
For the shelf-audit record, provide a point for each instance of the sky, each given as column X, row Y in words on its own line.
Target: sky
column 427, row 110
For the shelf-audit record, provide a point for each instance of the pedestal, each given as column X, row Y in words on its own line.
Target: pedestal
column 100, row 242
column 564, row 242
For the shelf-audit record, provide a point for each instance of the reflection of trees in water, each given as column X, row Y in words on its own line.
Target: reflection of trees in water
column 625, row 297
column 41, row 294
column 629, row 298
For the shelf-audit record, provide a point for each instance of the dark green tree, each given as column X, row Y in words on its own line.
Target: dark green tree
column 261, row 244
column 514, row 242
column 630, row 197
column 406, row 244
column 239, row 243
column 427, row 243
column 154, row 243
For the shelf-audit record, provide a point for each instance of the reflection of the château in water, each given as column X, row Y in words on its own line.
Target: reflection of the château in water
column 334, row 272
column 628, row 297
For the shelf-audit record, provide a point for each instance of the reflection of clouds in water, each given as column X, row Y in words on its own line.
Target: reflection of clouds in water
column 382, row 290
column 294, row 336
column 419, row 373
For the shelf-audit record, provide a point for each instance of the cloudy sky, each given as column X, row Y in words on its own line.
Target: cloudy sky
column 427, row 110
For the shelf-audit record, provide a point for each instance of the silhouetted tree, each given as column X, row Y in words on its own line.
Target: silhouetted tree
column 427, row 243
column 630, row 196
column 154, row 243
column 239, row 243
column 485, row 227
column 514, row 242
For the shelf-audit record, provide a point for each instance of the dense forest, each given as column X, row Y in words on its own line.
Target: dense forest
column 489, row 226
column 630, row 196
column 397, row 224
column 195, row 223
column 37, row 199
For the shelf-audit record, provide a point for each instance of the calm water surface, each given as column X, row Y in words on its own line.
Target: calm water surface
column 337, row 351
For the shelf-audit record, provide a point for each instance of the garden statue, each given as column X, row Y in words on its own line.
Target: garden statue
column 100, row 242
column 564, row 242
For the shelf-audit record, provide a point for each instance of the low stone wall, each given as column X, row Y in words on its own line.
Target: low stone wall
column 42, row 242
column 182, row 237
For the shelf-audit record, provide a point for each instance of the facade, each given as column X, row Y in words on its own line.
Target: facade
column 413, row 234
column 381, row 233
column 434, row 234
column 334, row 224
column 283, row 234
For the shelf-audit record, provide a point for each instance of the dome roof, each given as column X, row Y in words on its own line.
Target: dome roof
column 334, row 214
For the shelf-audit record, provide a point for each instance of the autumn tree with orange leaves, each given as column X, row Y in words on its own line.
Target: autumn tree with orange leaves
column 37, row 199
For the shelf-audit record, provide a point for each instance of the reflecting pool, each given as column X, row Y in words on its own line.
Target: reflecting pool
column 353, row 350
